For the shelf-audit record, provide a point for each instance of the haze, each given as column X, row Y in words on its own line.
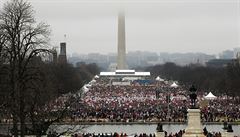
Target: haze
column 208, row 26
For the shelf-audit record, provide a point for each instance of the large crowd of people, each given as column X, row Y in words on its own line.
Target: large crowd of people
column 142, row 101
column 114, row 103
column 223, row 107
column 152, row 102
column 115, row 134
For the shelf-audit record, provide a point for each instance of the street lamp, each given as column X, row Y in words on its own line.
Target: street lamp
column 173, row 86
column 168, row 108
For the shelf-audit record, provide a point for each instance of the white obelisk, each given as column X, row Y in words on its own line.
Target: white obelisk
column 121, row 59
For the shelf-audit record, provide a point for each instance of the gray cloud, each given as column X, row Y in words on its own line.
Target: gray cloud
column 174, row 26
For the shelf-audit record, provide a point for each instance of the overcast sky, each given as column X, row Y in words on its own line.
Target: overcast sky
column 208, row 26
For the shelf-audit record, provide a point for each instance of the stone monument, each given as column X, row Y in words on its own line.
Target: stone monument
column 194, row 126
column 121, row 70
column 121, row 58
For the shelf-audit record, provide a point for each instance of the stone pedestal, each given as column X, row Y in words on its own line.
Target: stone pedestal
column 194, row 127
column 227, row 134
column 160, row 134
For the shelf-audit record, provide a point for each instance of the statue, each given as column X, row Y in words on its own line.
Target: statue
column 205, row 132
column 193, row 96
column 225, row 125
column 159, row 128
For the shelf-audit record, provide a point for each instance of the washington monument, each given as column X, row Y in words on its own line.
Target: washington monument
column 121, row 59
column 121, row 68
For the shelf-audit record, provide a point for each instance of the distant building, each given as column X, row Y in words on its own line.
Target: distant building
column 227, row 54
column 62, row 58
column 78, row 64
column 218, row 63
column 112, row 67
column 186, row 58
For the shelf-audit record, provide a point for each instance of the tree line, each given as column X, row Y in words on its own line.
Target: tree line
column 220, row 80
column 27, row 82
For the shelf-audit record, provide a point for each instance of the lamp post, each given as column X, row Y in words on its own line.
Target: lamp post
column 168, row 108
column 158, row 87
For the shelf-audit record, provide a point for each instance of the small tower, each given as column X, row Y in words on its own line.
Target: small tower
column 62, row 58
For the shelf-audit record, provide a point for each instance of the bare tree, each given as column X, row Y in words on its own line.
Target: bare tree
column 21, row 41
column 29, row 84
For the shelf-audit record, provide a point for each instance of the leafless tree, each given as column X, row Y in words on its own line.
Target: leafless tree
column 21, row 41
column 29, row 84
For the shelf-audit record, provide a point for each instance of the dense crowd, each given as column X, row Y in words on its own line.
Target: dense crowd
column 103, row 102
column 224, row 107
column 152, row 102
column 178, row 134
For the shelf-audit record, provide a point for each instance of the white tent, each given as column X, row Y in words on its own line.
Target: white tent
column 85, row 89
column 174, row 85
column 96, row 76
column 159, row 79
column 210, row 96
column 93, row 81
column 88, row 85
